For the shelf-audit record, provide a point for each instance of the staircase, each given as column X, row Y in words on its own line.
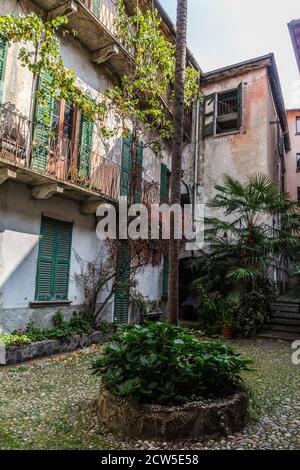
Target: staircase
column 285, row 323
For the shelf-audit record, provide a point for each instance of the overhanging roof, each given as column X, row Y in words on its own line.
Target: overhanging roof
column 294, row 28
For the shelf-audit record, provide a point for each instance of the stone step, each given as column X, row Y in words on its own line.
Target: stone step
column 278, row 335
column 285, row 321
column 291, row 315
column 295, row 308
column 284, row 328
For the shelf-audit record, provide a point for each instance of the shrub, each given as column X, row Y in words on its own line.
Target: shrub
column 161, row 363
column 14, row 340
column 255, row 307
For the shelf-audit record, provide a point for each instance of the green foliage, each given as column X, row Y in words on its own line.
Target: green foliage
column 162, row 363
column 138, row 98
column 254, row 308
column 258, row 236
column 10, row 340
column 77, row 325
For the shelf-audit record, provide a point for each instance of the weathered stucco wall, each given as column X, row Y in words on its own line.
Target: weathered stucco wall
column 20, row 215
column 244, row 151
column 292, row 176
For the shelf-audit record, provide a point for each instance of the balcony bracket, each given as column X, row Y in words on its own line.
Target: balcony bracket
column 103, row 55
column 5, row 174
column 47, row 190
column 67, row 9
column 90, row 205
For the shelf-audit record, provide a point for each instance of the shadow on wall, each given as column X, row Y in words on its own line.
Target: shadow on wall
column 15, row 277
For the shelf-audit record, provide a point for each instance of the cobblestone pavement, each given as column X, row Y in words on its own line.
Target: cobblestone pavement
column 50, row 404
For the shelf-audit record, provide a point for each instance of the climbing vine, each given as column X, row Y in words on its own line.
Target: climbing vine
column 139, row 98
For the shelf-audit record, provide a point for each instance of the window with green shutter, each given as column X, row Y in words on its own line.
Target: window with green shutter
column 86, row 144
column 121, row 300
column 42, row 125
column 126, row 167
column 165, row 278
column 164, row 184
column 223, row 112
column 52, row 280
column 3, row 55
column 138, row 174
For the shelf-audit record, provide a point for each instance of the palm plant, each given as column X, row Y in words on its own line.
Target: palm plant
column 257, row 236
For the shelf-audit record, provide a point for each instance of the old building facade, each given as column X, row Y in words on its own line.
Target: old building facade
column 52, row 182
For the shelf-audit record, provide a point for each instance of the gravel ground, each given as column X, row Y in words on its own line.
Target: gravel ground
column 50, row 404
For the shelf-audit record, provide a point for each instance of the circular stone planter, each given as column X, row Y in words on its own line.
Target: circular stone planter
column 190, row 421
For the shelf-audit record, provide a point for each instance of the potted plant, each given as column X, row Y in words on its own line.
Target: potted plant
column 226, row 320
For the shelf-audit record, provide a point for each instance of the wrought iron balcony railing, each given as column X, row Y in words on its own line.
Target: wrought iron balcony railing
column 54, row 156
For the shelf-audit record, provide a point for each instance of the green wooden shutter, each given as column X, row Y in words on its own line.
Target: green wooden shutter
column 52, row 280
column 86, row 143
column 62, row 261
column 121, row 300
column 165, row 278
column 240, row 105
column 96, row 7
column 209, row 115
column 139, row 173
column 164, row 184
column 126, row 167
column 46, row 260
column 3, row 56
column 42, row 126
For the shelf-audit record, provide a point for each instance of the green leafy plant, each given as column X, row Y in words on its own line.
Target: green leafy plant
column 10, row 340
column 162, row 363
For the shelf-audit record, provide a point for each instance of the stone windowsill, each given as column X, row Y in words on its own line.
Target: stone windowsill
column 50, row 303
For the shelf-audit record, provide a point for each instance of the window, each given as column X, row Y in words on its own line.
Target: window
column 62, row 127
column 298, row 161
column 298, row 194
column 227, row 106
column 70, row 139
column 52, row 279
column 3, row 54
column 223, row 112
column 165, row 278
column 298, row 125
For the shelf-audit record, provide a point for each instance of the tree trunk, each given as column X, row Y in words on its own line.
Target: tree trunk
column 181, row 32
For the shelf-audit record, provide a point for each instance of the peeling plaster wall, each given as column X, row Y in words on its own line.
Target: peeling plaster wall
column 247, row 150
column 292, row 177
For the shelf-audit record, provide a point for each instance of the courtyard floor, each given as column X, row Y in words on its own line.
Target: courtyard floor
column 50, row 404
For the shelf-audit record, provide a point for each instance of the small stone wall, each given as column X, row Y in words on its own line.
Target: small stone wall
column 18, row 354
column 170, row 423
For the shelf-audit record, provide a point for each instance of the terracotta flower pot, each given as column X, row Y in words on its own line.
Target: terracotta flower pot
column 227, row 332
